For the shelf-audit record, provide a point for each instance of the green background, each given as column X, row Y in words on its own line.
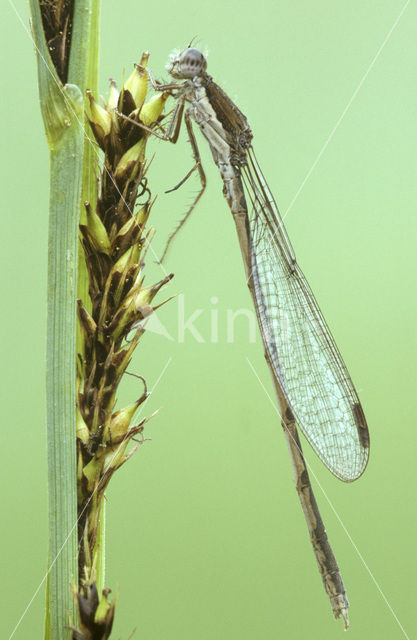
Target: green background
column 205, row 533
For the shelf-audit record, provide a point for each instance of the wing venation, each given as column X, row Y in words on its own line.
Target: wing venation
column 305, row 358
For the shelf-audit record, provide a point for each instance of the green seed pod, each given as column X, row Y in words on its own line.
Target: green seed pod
column 120, row 423
column 116, row 457
column 103, row 608
column 97, row 230
column 137, row 83
column 93, row 472
column 130, row 257
column 132, row 230
column 152, row 109
column 113, row 97
column 127, row 166
column 100, row 121
column 82, row 431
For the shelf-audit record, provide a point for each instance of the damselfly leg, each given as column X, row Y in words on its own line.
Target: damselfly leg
column 173, row 131
column 171, row 135
column 203, row 181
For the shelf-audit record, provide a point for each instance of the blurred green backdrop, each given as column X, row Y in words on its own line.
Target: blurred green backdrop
column 205, row 533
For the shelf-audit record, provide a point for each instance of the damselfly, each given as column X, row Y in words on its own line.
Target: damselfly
column 312, row 384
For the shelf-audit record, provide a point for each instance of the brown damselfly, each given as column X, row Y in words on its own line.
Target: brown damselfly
column 313, row 387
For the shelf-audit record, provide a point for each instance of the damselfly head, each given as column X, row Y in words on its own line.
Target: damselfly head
column 187, row 64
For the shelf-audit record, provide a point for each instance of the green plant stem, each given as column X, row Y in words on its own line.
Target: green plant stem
column 83, row 71
column 88, row 32
column 62, row 280
column 63, row 114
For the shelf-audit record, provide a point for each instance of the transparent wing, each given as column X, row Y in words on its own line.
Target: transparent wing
column 305, row 358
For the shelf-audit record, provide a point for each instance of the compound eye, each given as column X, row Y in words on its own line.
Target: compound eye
column 192, row 62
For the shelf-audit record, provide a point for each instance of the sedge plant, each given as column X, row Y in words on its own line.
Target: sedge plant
column 97, row 300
